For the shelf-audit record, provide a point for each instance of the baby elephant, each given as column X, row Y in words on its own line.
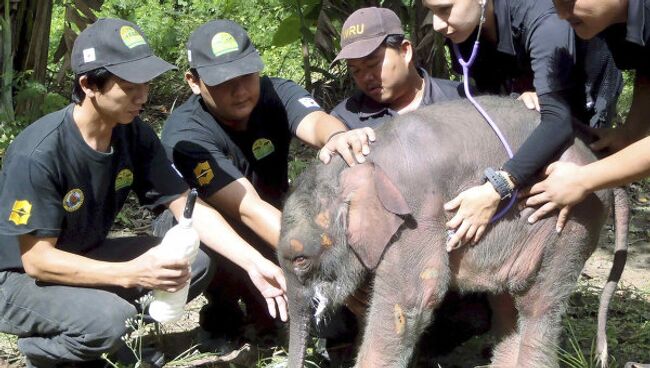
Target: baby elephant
column 385, row 220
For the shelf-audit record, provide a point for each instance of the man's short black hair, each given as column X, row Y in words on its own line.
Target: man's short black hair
column 96, row 77
column 394, row 41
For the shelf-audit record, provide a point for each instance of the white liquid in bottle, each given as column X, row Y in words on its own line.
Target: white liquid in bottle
column 181, row 241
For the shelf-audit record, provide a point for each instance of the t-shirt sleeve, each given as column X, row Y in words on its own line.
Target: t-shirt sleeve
column 296, row 100
column 156, row 181
column 201, row 160
column 546, row 141
column 31, row 203
column 551, row 47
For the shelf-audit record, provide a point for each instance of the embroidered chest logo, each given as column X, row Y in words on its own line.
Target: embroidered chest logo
column 124, row 179
column 203, row 173
column 73, row 200
column 131, row 37
column 262, row 148
column 20, row 212
column 223, row 43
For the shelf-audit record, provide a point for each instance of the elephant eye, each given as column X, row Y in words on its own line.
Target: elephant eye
column 300, row 263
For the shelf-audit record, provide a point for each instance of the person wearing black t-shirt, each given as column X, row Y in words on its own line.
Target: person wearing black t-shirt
column 65, row 289
column 525, row 48
column 231, row 141
column 380, row 60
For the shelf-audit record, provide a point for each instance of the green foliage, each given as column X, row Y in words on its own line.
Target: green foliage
column 625, row 99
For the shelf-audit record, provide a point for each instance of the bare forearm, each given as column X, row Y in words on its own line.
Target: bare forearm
column 215, row 232
column 623, row 167
column 265, row 222
column 317, row 127
column 56, row 266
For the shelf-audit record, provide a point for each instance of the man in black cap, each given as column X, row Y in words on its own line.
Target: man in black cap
column 381, row 61
column 65, row 289
column 231, row 141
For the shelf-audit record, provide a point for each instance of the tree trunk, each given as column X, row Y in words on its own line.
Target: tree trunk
column 31, row 36
column 6, row 61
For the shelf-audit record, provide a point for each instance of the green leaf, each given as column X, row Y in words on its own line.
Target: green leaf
column 288, row 32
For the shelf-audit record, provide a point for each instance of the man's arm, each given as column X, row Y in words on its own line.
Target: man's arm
column 636, row 124
column 240, row 201
column 215, row 232
column 44, row 262
column 568, row 184
column 327, row 132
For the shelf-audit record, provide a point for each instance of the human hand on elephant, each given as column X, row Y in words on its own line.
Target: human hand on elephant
column 352, row 145
column 562, row 189
column 268, row 278
column 476, row 206
column 531, row 100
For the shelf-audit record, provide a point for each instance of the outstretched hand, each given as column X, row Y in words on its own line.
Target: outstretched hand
column 562, row 189
column 269, row 280
column 476, row 206
column 352, row 145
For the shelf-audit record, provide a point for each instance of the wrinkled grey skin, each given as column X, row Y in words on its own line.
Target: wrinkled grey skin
column 385, row 219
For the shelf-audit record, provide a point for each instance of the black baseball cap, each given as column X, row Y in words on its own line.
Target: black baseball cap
column 365, row 30
column 221, row 50
column 121, row 48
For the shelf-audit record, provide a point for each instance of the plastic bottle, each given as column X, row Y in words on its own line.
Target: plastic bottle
column 181, row 241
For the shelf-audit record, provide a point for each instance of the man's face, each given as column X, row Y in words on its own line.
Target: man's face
column 382, row 75
column 121, row 100
column 454, row 19
column 233, row 101
column 589, row 17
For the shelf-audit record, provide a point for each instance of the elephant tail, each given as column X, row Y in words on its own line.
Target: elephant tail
column 621, row 220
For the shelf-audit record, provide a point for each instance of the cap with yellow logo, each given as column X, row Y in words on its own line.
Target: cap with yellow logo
column 365, row 30
column 120, row 47
column 221, row 50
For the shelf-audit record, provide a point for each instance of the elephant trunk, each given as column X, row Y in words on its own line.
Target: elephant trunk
column 299, row 311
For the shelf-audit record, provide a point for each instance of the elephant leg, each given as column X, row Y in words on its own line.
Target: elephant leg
column 409, row 284
column 393, row 328
column 534, row 343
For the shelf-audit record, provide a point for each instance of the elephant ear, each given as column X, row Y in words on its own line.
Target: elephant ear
column 375, row 205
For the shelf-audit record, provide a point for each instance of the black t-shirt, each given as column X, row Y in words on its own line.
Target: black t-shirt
column 359, row 110
column 535, row 50
column 54, row 185
column 538, row 51
column 211, row 156
column 629, row 41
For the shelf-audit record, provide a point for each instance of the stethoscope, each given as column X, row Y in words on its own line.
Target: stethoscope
column 466, row 65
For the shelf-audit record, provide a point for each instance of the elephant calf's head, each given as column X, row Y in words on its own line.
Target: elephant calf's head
column 335, row 229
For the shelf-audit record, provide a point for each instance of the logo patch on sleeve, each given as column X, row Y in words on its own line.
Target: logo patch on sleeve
column 131, row 37
column 20, row 212
column 262, row 148
column 73, row 200
column 124, row 179
column 308, row 102
column 203, row 173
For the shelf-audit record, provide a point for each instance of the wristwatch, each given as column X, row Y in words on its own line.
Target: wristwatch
column 500, row 183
